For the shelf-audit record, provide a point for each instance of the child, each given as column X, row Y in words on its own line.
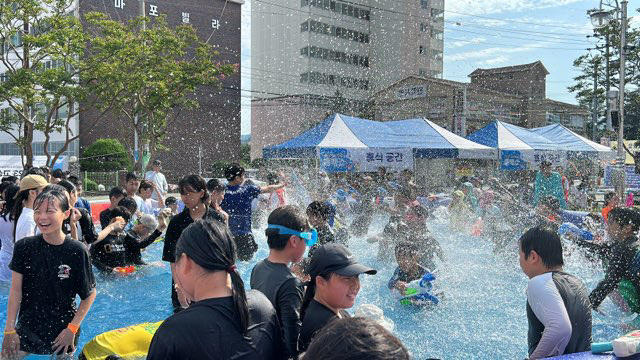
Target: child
column 558, row 309
column 146, row 204
column 79, row 225
column 288, row 237
column 143, row 234
column 30, row 187
column 459, row 212
column 223, row 321
column 610, row 201
column 216, row 189
column 116, row 194
column 82, row 202
column 409, row 269
column 49, row 270
column 171, row 203
column 318, row 215
column 618, row 254
column 334, row 285
column 109, row 252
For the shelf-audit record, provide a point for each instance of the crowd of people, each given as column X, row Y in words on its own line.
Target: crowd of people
column 300, row 293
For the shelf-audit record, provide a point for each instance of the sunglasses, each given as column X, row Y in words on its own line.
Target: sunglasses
column 310, row 237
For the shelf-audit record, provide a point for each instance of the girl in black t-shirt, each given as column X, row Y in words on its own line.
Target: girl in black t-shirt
column 48, row 271
column 222, row 320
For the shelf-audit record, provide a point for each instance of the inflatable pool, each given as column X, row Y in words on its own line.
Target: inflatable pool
column 131, row 342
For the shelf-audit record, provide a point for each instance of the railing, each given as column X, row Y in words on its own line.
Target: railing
column 92, row 181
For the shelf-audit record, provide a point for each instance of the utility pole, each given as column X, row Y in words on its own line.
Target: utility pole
column 594, row 102
column 136, row 151
column 621, row 154
column 607, row 82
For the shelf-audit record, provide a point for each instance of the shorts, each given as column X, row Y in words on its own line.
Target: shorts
column 246, row 246
column 41, row 345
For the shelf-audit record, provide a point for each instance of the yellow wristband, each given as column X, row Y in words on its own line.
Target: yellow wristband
column 10, row 332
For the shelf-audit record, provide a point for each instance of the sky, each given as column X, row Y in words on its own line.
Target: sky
column 495, row 33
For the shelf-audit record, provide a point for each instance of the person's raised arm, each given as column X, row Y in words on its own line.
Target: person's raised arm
column 271, row 188
column 615, row 273
column 114, row 226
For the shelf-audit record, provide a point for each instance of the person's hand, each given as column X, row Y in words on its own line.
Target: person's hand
column 401, row 286
column 10, row 346
column 63, row 344
column 75, row 215
column 118, row 225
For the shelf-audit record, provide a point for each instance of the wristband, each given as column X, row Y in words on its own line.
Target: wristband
column 73, row 328
column 10, row 332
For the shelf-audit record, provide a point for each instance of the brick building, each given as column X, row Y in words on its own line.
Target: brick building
column 203, row 135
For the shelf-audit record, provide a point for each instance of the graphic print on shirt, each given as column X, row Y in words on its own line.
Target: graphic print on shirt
column 64, row 271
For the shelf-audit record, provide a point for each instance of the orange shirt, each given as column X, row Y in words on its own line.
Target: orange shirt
column 605, row 213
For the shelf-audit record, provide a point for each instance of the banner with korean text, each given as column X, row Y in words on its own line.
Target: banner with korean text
column 365, row 160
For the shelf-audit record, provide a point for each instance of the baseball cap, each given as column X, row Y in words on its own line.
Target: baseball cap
column 32, row 182
column 336, row 258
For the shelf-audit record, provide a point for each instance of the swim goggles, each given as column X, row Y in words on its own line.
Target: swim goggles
column 310, row 237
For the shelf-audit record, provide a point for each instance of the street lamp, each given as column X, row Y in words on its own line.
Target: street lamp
column 599, row 19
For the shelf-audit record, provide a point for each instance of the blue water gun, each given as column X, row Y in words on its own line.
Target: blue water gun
column 572, row 229
column 419, row 291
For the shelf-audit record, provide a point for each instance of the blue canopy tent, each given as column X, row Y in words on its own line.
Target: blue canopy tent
column 348, row 141
column 573, row 143
column 518, row 147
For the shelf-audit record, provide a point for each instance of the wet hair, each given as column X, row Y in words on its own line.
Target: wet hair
column 157, row 162
column 4, row 185
column 117, row 191
column 53, row 195
column 318, row 209
column 215, row 185
column 170, row 200
column 67, row 185
column 194, row 183
column 355, row 338
column 406, row 248
column 121, row 211
column 272, row 178
column 128, row 203
column 232, row 171
column 148, row 221
column 75, row 181
column 608, row 196
column 54, row 187
column 12, row 179
column 131, row 176
column 145, row 185
column 289, row 216
column 551, row 202
column 545, row 242
column 35, row 171
column 625, row 216
column 210, row 245
column 45, row 169
column 59, row 174
column 9, row 194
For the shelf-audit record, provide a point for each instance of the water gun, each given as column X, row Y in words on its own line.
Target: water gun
column 572, row 229
column 623, row 346
column 124, row 269
column 418, row 292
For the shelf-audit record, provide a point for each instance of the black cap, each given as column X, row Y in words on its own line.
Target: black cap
column 545, row 163
column 232, row 171
column 336, row 258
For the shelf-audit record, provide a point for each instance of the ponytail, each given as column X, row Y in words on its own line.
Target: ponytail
column 210, row 245
column 310, row 293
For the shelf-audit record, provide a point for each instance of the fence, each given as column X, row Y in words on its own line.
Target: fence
column 93, row 180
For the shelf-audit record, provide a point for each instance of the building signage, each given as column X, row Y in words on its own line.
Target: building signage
column 365, row 160
column 411, row 92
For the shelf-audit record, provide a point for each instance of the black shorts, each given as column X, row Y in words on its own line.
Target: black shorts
column 246, row 246
column 39, row 344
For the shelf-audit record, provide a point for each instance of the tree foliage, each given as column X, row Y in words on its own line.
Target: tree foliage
column 105, row 155
column 153, row 70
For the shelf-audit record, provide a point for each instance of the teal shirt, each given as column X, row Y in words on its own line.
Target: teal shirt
column 549, row 186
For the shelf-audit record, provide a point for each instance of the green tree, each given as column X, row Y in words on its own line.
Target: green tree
column 593, row 64
column 153, row 70
column 42, row 49
column 105, row 155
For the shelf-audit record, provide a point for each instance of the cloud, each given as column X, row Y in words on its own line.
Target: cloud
column 493, row 52
column 457, row 8
column 494, row 61
column 461, row 43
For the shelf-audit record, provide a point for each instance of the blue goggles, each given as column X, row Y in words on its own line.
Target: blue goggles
column 310, row 237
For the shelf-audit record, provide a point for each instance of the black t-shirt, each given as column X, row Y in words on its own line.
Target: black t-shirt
column 209, row 329
column 177, row 225
column 110, row 252
column 52, row 276
column 87, row 229
column 315, row 318
column 278, row 283
column 133, row 245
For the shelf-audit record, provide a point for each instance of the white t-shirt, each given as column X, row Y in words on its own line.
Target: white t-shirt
column 26, row 224
column 6, row 252
column 146, row 206
column 160, row 181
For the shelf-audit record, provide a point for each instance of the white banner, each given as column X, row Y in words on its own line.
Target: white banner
column 365, row 160
column 11, row 165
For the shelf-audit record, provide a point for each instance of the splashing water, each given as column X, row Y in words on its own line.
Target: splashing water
column 482, row 315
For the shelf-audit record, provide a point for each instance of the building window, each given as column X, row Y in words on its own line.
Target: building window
column 336, row 56
column 510, row 76
column 304, row 3
column 424, row 4
column 436, row 54
column 424, row 27
column 437, row 34
column 422, row 72
column 336, row 31
column 304, row 26
column 421, row 50
column 437, row 14
column 334, row 80
column 304, row 51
